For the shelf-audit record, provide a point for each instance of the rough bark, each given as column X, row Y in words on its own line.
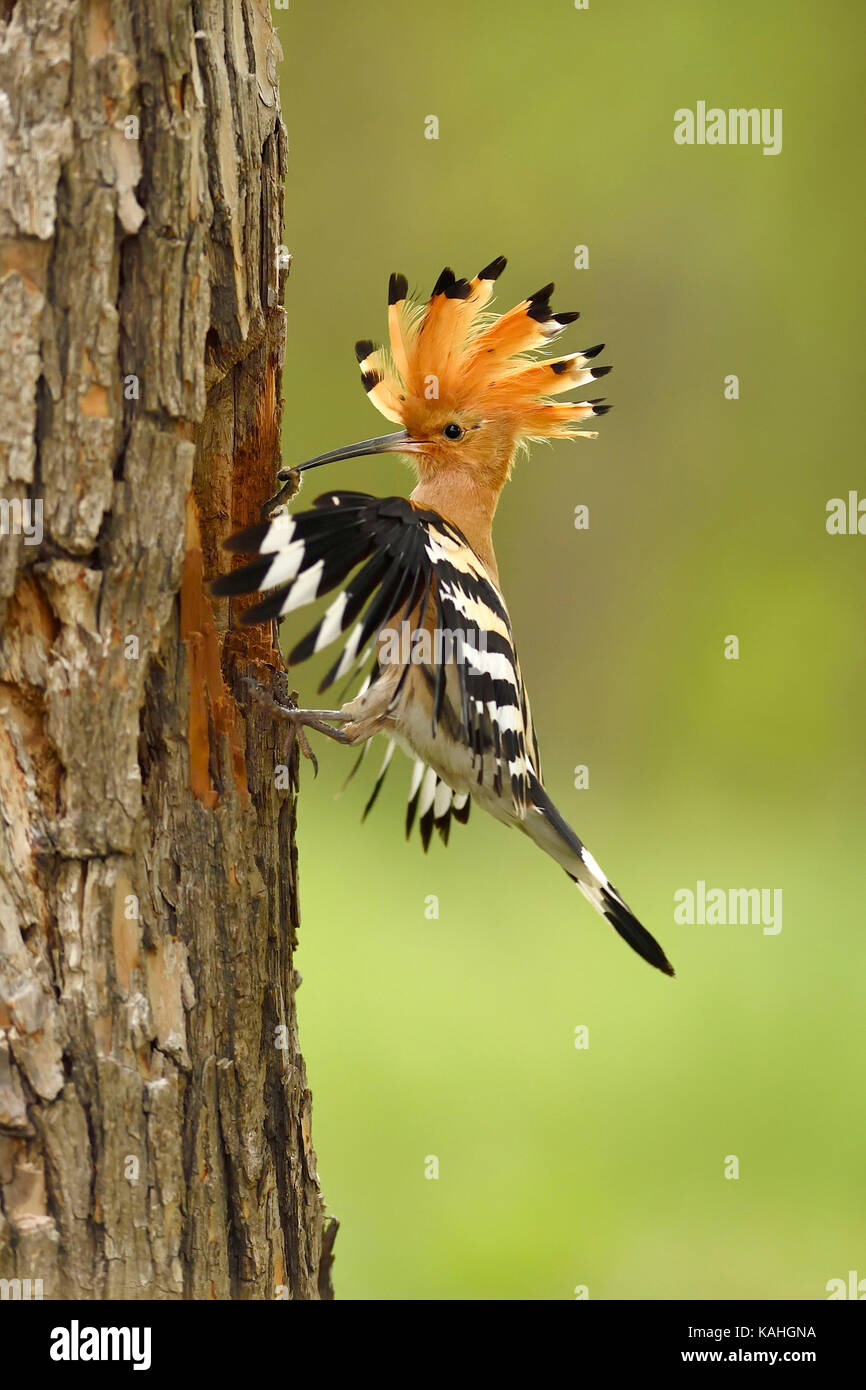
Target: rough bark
column 154, row 1111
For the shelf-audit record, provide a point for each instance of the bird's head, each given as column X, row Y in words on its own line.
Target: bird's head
column 466, row 386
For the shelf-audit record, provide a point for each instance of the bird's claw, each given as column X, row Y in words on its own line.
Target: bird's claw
column 299, row 720
column 304, row 745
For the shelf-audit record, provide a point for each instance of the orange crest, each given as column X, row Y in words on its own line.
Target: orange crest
column 447, row 356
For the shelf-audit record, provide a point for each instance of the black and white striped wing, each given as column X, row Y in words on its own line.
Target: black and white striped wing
column 391, row 561
column 372, row 547
column 494, row 708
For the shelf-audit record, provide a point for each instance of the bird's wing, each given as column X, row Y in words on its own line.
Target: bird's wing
column 394, row 562
column 493, row 715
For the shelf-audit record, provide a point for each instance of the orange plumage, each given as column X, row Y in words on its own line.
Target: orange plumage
column 469, row 387
column 448, row 356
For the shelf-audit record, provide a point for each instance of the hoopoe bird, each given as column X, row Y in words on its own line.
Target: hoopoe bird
column 467, row 389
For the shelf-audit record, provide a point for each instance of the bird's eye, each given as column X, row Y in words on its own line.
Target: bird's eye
column 453, row 431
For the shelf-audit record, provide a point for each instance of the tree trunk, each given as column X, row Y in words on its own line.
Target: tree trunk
column 154, row 1111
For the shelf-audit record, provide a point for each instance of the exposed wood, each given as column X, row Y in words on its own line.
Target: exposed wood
column 154, row 1111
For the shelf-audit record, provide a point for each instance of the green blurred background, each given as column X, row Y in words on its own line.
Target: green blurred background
column 454, row 1037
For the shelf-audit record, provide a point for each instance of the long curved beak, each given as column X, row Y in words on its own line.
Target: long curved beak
column 398, row 443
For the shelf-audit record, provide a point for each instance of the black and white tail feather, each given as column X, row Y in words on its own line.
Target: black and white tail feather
column 466, row 721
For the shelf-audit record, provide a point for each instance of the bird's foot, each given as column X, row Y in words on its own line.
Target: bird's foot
column 299, row 720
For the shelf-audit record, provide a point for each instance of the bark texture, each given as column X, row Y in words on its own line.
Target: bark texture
column 154, row 1112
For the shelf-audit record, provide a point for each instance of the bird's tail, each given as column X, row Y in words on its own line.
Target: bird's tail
column 555, row 836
